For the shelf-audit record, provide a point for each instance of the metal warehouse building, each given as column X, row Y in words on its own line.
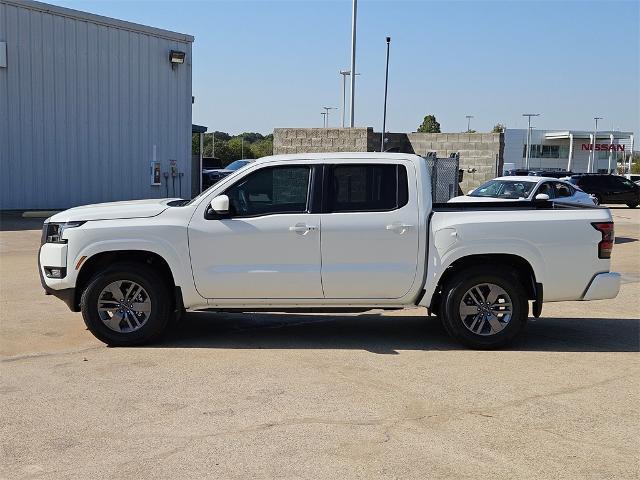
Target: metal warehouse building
column 90, row 106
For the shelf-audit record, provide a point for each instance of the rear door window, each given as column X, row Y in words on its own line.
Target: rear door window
column 367, row 188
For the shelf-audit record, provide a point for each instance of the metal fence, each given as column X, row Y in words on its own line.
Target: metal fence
column 444, row 176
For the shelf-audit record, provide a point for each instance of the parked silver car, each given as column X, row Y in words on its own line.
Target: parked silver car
column 526, row 188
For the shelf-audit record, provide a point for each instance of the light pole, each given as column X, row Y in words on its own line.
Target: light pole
column 529, row 115
column 353, row 62
column 386, row 84
column 327, row 109
column 324, row 119
column 213, row 144
column 593, row 146
column 345, row 74
column 468, row 117
column 531, row 128
column 242, row 147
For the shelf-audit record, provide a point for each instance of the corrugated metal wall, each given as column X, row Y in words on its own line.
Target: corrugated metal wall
column 82, row 105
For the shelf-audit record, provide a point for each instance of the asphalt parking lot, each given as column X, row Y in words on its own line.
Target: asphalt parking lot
column 316, row 396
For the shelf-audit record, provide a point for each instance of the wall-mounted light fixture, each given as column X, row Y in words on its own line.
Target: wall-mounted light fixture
column 176, row 58
column 3, row 54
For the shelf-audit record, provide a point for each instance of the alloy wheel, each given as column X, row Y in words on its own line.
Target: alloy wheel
column 124, row 306
column 486, row 309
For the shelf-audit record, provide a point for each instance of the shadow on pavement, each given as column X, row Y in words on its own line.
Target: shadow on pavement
column 619, row 240
column 13, row 222
column 387, row 334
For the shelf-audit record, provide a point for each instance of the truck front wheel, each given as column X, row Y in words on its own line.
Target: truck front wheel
column 128, row 304
column 484, row 307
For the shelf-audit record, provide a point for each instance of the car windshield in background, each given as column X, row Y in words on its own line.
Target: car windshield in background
column 504, row 189
column 236, row 165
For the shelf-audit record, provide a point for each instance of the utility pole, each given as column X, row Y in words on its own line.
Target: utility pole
column 593, row 146
column 528, row 152
column 213, row 144
column 353, row 63
column 468, row 117
column 242, row 146
column 386, row 84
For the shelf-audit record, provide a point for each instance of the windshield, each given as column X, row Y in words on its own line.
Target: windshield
column 236, row 165
column 504, row 189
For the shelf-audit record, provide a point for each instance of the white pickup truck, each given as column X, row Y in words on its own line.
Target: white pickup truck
column 325, row 232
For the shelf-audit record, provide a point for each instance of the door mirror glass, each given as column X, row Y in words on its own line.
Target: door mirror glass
column 220, row 204
column 541, row 197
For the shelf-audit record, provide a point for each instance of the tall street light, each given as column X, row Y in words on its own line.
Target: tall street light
column 529, row 115
column 327, row 109
column 353, row 62
column 593, row 146
column 468, row 117
column 386, row 84
column 345, row 74
column 324, row 119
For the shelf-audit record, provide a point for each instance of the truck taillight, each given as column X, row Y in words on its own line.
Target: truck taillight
column 606, row 244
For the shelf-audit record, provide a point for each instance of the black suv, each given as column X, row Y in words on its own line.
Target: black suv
column 609, row 188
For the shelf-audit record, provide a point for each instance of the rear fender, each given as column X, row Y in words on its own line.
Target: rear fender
column 443, row 258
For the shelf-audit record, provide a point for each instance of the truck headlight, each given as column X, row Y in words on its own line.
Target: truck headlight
column 52, row 232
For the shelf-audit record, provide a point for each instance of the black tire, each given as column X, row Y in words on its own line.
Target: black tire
column 632, row 205
column 458, row 286
column 159, row 296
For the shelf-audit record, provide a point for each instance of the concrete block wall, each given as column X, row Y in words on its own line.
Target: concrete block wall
column 317, row 140
column 481, row 154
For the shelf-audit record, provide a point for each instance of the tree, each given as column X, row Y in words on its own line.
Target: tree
column 498, row 128
column 429, row 125
column 635, row 163
column 262, row 148
column 236, row 149
column 223, row 136
column 251, row 137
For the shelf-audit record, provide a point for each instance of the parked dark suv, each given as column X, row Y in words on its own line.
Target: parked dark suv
column 609, row 188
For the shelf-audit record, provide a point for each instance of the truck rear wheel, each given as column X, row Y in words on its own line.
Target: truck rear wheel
column 128, row 304
column 484, row 307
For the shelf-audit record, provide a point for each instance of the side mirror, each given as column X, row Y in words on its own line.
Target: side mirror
column 470, row 192
column 220, row 204
column 542, row 197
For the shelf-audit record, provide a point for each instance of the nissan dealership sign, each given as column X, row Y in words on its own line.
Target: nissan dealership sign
column 603, row 147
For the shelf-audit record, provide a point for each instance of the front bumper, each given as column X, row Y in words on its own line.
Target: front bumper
column 603, row 286
column 67, row 295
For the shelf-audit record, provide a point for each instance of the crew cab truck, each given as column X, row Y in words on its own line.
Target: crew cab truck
column 325, row 232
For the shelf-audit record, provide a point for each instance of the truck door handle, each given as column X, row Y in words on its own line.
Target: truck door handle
column 302, row 228
column 399, row 227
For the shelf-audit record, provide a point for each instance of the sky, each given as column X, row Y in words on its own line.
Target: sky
column 258, row 65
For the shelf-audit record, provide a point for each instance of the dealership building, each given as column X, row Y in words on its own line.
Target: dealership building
column 92, row 109
column 570, row 150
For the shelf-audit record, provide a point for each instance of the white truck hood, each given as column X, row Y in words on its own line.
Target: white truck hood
column 114, row 210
